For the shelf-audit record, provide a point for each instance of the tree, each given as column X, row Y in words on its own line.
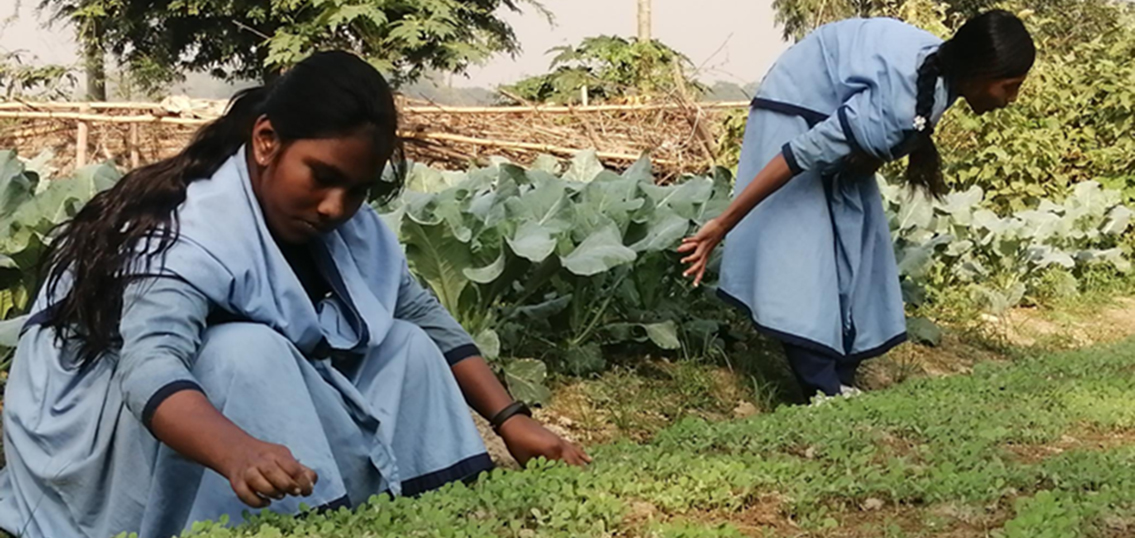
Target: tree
column 256, row 39
column 21, row 77
column 87, row 17
column 612, row 68
column 1075, row 20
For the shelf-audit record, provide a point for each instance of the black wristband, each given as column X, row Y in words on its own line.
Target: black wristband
column 511, row 410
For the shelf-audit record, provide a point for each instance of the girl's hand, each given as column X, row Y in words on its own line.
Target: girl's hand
column 527, row 439
column 701, row 245
column 260, row 472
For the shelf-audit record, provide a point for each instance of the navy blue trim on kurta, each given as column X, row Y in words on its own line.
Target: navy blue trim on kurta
column 461, row 353
column 810, row 116
column 330, row 271
column 810, row 344
column 39, row 318
column 162, row 395
column 845, row 125
column 341, row 502
column 220, row 316
column 790, row 158
column 464, row 469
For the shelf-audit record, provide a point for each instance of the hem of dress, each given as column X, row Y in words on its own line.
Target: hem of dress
column 333, row 506
column 809, row 343
column 462, row 470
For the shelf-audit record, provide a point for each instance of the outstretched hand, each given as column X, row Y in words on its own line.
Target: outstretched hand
column 261, row 472
column 700, row 246
column 526, row 439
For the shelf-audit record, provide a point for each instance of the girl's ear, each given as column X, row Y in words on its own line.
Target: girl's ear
column 265, row 143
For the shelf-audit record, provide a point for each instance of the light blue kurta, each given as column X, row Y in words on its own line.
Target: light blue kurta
column 814, row 264
column 358, row 387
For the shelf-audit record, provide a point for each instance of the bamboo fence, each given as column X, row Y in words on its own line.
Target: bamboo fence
column 679, row 135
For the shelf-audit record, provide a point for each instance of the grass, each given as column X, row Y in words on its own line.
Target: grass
column 1040, row 447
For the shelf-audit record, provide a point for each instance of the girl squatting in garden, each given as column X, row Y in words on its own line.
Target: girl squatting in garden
column 811, row 259
column 234, row 327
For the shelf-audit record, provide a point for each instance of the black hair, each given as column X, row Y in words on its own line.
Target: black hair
column 993, row 45
column 327, row 95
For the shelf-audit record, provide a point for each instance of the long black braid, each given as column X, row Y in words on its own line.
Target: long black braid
column 991, row 46
column 924, row 171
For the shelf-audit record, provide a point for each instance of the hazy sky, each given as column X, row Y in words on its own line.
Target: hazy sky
column 733, row 40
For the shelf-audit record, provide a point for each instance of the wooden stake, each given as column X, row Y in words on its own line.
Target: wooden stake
column 134, row 157
column 81, row 140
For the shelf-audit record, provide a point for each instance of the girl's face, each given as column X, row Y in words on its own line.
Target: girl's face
column 309, row 187
column 991, row 94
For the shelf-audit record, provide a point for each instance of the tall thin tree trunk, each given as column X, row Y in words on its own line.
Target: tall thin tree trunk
column 94, row 59
column 644, row 20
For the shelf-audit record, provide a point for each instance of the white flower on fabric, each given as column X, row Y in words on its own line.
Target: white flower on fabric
column 919, row 123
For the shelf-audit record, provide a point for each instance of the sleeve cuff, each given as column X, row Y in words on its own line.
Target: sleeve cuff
column 790, row 158
column 461, row 353
column 162, row 395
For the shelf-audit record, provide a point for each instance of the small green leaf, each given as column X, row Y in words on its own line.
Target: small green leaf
column 489, row 342
column 10, row 330
column 525, row 379
column 664, row 335
column 598, row 253
column 585, row 166
column 488, row 273
column 532, row 242
column 545, row 309
column 923, row 331
column 585, row 359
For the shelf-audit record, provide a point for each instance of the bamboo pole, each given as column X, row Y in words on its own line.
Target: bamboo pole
column 60, row 105
column 568, row 109
column 83, row 116
column 504, row 144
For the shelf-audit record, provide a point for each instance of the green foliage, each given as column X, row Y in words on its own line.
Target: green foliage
column 1074, row 117
column 30, row 208
column 255, row 39
column 612, row 68
column 558, row 267
column 964, row 442
column 732, row 133
column 960, row 244
column 569, row 269
column 19, row 78
column 1073, row 123
column 1055, row 22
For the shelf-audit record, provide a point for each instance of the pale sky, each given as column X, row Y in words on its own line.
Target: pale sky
column 731, row 40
